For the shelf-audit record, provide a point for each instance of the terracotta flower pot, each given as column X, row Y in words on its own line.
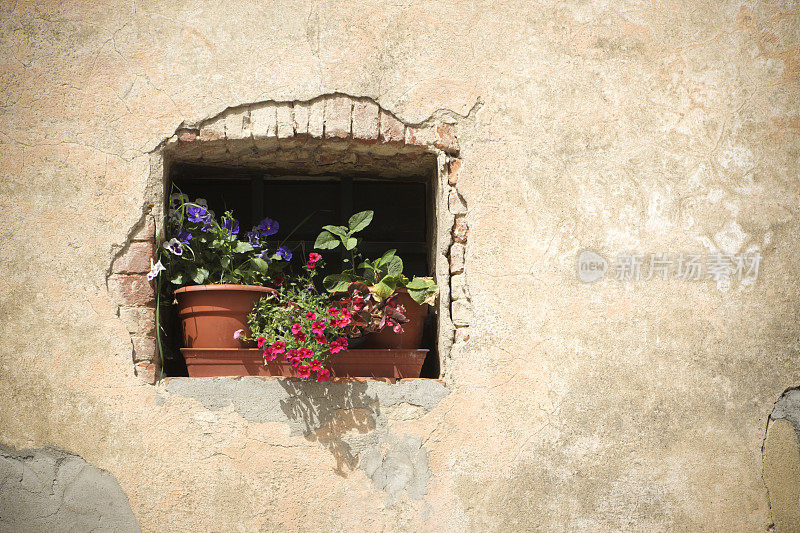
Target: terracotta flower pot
column 211, row 314
column 411, row 337
column 206, row 362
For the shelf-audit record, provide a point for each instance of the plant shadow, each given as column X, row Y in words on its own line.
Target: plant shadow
column 332, row 414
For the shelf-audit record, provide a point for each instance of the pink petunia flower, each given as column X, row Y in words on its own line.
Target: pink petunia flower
column 333, row 311
column 278, row 347
column 323, row 375
column 338, row 345
column 316, row 364
column 305, row 353
column 320, row 338
column 269, row 354
column 296, row 328
column 317, row 327
column 311, row 316
column 304, row 372
column 260, row 341
column 299, row 337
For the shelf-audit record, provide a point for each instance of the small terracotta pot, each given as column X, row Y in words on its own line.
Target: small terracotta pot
column 211, row 314
column 411, row 337
column 203, row 362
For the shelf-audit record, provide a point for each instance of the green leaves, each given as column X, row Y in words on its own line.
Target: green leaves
column 331, row 236
column 422, row 290
column 260, row 264
column 338, row 282
column 326, row 241
column 360, row 221
column 243, row 247
column 198, row 274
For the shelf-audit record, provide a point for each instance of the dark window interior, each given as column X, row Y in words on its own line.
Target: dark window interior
column 303, row 204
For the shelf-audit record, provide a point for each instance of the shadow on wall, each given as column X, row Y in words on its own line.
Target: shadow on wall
column 348, row 410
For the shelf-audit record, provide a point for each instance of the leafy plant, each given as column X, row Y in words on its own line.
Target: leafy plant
column 383, row 276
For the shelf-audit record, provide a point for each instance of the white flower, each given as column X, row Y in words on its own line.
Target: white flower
column 176, row 199
column 238, row 333
column 154, row 269
column 174, row 245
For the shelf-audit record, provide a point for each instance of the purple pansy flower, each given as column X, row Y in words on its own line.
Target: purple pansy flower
column 197, row 213
column 284, row 253
column 183, row 236
column 231, row 224
column 268, row 227
column 252, row 237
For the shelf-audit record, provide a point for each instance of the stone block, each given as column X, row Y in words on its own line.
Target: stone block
column 147, row 231
column 456, row 203
column 135, row 259
column 460, row 230
column 366, row 116
column 213, row 130
column 458, row 286
column 337, row 117
column 316, row 118
column 139, row 320
column 144, row 349
column 300, row 119
column 453, row 166
column 391, row 129
column 131, row 289
column 461, row 312
column 263, row 121
column 285, row 121
column 457, row 257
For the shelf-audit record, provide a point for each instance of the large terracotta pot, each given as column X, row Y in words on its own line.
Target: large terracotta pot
column 203, row 362
column 211, row 314
column 411, row 337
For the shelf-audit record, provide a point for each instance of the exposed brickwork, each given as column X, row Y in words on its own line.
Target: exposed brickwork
column 460, row 230
column 391, row 129
column 338, row 112
column 135, row 259
column 140, row 321
column 144, row 349
column 366, row 116
column 456, row 258
column 453, row 166
column 131, row 289
column 446, row 139
column 285, row 122
column 146, row 372
column 263, row 121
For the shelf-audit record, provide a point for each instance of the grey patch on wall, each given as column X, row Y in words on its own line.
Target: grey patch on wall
column 48, row 490
column 349, row 419
column 788, row 408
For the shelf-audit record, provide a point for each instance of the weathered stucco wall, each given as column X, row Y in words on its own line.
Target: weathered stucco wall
column 615, row 126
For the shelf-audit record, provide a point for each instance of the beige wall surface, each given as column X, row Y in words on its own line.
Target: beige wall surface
column 628, row 126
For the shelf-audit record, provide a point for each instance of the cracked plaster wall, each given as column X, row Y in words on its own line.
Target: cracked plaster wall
column 658, row 127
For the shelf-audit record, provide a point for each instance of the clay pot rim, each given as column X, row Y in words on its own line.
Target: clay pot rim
column 226, row 287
